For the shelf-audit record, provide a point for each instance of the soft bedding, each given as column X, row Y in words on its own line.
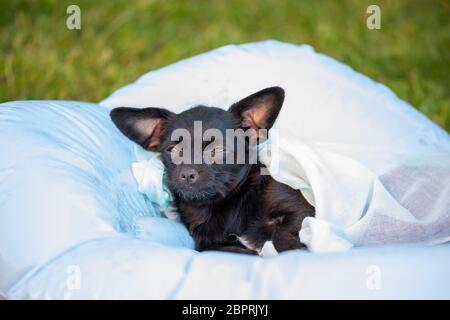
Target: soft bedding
column 376, row 170
column 80, row 206
column 124, row 268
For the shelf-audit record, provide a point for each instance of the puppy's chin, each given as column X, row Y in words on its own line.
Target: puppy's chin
column 205, row 196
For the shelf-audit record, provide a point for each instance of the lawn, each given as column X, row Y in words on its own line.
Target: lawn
column 120, row 40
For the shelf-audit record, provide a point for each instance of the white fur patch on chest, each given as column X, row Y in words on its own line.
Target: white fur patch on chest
column 267, row 249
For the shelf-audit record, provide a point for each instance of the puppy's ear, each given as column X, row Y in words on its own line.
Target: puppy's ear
column 143, row 126
column 259, row 110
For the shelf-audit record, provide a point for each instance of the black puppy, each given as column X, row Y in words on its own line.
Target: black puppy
column 226, row 206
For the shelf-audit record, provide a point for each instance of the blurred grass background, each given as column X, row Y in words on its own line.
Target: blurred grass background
column 120, row 40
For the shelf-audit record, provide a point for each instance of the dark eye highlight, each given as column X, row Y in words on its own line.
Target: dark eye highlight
column 175, row 149
column 169, row 149
column 217, row 151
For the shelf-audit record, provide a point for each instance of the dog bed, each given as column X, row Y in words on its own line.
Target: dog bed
column 83, row 214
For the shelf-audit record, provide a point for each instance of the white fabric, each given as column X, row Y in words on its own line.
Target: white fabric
column 405, row 201
column 377, row 170
column 65, row 178
column 148, row 172
column 74, row 225
column 123, row 268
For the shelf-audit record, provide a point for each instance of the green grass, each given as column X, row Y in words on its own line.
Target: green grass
column 121, row 39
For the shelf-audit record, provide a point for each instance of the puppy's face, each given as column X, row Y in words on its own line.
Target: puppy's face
column 207, row 151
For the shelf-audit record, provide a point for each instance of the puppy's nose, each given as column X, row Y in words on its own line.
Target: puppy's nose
column 188, row 175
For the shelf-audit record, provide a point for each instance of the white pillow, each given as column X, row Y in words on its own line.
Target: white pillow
column 108, row 268
column 326, row 101
column 65, row 178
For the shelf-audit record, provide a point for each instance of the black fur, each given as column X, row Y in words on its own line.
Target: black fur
column 222, row 202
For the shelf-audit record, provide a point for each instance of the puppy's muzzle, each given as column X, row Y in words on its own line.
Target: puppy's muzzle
column 188, row 176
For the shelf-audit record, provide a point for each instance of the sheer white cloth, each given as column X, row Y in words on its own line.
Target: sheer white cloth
column 403, row 200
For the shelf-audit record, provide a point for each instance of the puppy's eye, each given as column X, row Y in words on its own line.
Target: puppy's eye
column 217, row 151
column 169, row 149
column 177, row 150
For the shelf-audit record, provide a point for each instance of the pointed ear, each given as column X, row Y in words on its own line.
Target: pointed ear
column 259, row 110
column 143, row 126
